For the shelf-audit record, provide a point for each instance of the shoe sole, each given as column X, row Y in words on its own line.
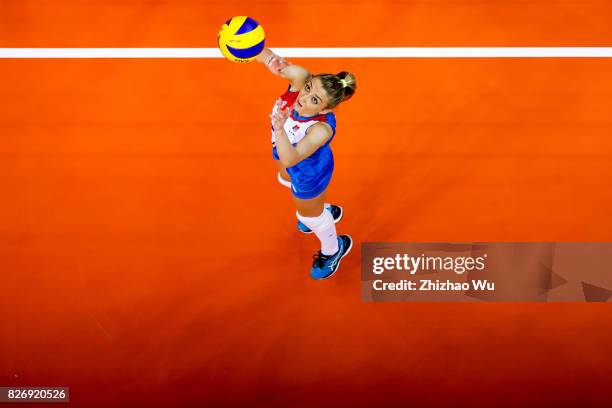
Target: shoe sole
column 340, row 260
column 335, row 221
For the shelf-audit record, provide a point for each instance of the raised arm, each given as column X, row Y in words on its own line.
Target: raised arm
column 295, row 74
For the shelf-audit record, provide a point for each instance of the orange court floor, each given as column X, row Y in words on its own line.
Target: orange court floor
column 148, row 256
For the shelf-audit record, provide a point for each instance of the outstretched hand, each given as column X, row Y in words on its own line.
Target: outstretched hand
column 279, row 115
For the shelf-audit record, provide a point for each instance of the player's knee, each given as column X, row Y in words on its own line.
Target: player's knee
column 311, row 210
column 283, row 181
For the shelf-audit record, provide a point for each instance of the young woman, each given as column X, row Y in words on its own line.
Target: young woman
column 303, row 125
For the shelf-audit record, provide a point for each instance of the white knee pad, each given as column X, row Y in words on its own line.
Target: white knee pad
column 283, row 181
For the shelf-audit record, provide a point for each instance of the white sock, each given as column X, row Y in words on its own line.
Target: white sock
column 324, row 228
column 283, row 181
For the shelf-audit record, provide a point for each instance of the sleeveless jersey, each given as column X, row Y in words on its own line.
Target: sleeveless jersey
column 314, row 172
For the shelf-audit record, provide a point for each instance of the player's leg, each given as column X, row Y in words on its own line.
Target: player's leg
column 312, row 213
column 335, row 210
column 310, row 207
column 285, row 179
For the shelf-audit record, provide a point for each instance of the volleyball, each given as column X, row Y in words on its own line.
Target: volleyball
column 241, row 39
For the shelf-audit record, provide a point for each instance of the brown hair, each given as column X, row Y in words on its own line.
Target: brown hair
column 339, row 87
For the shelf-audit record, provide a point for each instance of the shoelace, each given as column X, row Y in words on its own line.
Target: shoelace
column 320, row 259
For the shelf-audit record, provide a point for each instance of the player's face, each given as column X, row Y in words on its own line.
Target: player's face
column 312, row 98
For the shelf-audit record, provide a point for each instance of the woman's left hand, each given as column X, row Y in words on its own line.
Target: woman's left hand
column 279, row 115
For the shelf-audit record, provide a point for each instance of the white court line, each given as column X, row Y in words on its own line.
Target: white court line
column 380, row 52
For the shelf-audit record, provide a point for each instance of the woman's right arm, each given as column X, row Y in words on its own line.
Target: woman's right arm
column 295, row 74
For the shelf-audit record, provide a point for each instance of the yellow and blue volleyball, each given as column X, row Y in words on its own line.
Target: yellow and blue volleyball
column 241, row 39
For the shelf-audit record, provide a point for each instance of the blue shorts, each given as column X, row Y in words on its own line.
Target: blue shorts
column 309, row 187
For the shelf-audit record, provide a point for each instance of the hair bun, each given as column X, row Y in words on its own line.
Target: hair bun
column 349, row 83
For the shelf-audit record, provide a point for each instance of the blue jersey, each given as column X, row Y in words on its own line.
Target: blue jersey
column 311, row 176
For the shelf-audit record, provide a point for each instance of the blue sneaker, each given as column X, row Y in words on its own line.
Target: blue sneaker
column 336, row 212
column 325, row 266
